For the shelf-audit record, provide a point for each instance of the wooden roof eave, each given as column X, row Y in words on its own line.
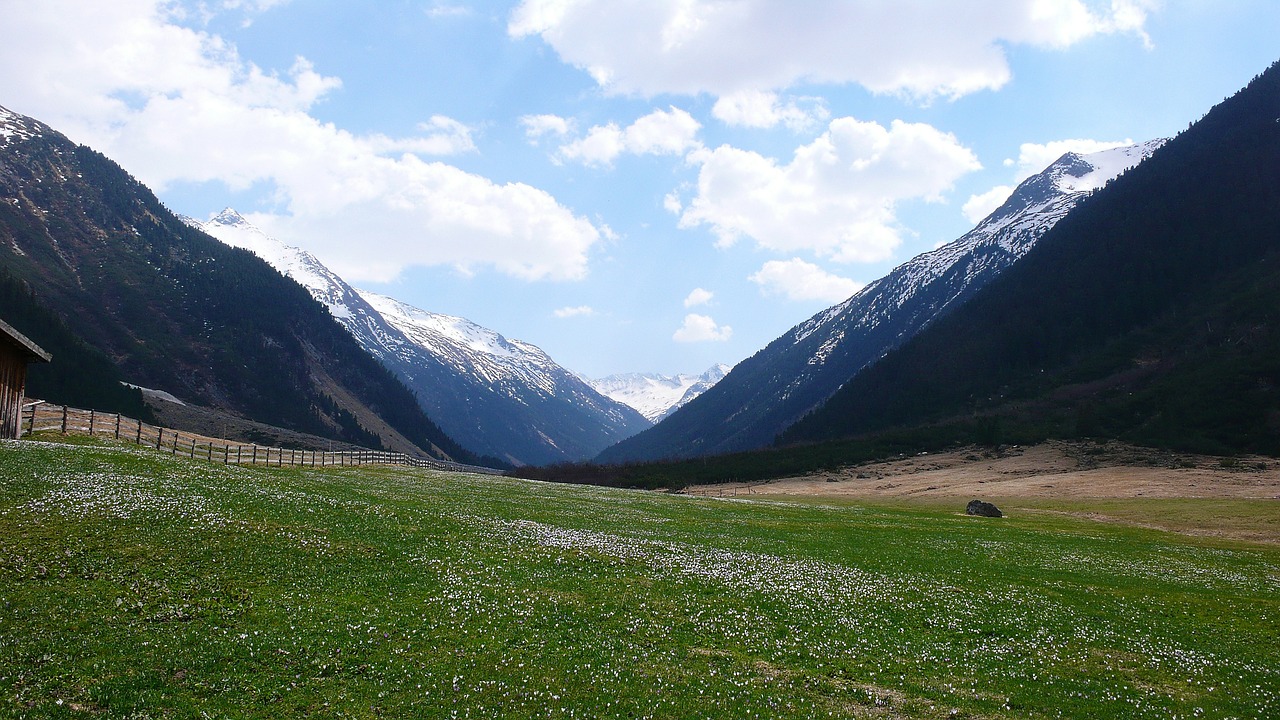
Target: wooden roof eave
column 33, row 351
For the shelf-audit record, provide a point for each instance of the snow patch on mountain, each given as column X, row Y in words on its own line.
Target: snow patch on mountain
column 655, row 395
column 16, row 127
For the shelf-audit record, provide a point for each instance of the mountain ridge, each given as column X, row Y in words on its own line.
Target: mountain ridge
column 656, row 395
column 1148, row 315
column 765, row 394
column 498, row 397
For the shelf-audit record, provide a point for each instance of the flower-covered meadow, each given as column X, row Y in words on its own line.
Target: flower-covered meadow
column 138, row 585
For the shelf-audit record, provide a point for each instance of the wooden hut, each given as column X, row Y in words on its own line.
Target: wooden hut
column 16, row 351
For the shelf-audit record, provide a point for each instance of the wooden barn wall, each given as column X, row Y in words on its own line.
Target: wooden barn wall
column 13, row 376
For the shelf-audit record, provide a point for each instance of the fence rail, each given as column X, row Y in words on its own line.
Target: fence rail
column 42, row 416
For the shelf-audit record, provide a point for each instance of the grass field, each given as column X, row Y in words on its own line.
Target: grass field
column 137, row 585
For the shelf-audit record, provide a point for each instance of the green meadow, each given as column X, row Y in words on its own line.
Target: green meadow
column 138, row 585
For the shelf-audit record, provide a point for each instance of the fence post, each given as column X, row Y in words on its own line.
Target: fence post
column 159, row 436
column 117, row 426
column 193, row 447
column 64, row 419
column 175, row 442
column 91, row 418
column 138, row 439
column 255, row 453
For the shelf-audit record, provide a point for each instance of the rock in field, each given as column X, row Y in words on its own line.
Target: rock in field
column 984, row 509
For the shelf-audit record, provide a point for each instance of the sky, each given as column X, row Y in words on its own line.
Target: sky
column 631, row 185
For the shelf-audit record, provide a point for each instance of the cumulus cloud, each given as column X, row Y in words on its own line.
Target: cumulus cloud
column 701, row 328
column 837, row 195
column 698, row 296
column 1032, row 158
column 760, row 109
column 536, row 126
column 979, row 206
column 661, row 132
column 796, row 279
column 170, row 103
column 579, row 311
column 723, row 47
column 444, row 136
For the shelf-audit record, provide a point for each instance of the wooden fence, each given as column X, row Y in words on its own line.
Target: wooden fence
column 38, row 416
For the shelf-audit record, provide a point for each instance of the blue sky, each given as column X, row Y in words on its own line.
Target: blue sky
column 632, row 185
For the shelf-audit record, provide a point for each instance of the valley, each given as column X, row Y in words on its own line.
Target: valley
column 911, row 360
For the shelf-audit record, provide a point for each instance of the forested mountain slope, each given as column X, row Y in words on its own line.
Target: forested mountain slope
column 1150, row 313
column 178, row 311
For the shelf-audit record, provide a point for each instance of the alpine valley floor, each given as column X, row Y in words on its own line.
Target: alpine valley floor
column 1111, row 481
column 135, row 584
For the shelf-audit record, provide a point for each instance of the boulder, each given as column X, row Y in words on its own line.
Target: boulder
column 983, row 509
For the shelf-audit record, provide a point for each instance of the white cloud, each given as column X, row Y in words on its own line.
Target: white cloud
column 173, row 104
column 441, row 10
column 661, row 132
column 979, row 206
column 536, row 126
column 700, row 328
column 759, row 109
column 698, row 296
column 1035, row 157
column 579, row 311
column 922, row 48
column 836, row 197
column 252, row 5
column 796, row 279
column 1032, row 159
column 444, row 136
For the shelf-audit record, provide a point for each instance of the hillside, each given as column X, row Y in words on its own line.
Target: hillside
column 81, row 376
column 497, row 397
column 177, row 311
column 1149, row 314
column 768, row 392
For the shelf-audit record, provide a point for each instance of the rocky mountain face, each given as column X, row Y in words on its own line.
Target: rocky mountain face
column 794, row 374
column 655, row 395
column 177, row 311
column 498, row 397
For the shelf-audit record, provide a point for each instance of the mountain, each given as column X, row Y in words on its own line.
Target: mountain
column 1151, row 313
column 656, row 396
column 176, row 310
column 771, row 390
column 497, row 397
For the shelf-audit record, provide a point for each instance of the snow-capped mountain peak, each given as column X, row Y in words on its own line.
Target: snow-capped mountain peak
column 655, row 395
column 498, row 397
column 999, row 240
